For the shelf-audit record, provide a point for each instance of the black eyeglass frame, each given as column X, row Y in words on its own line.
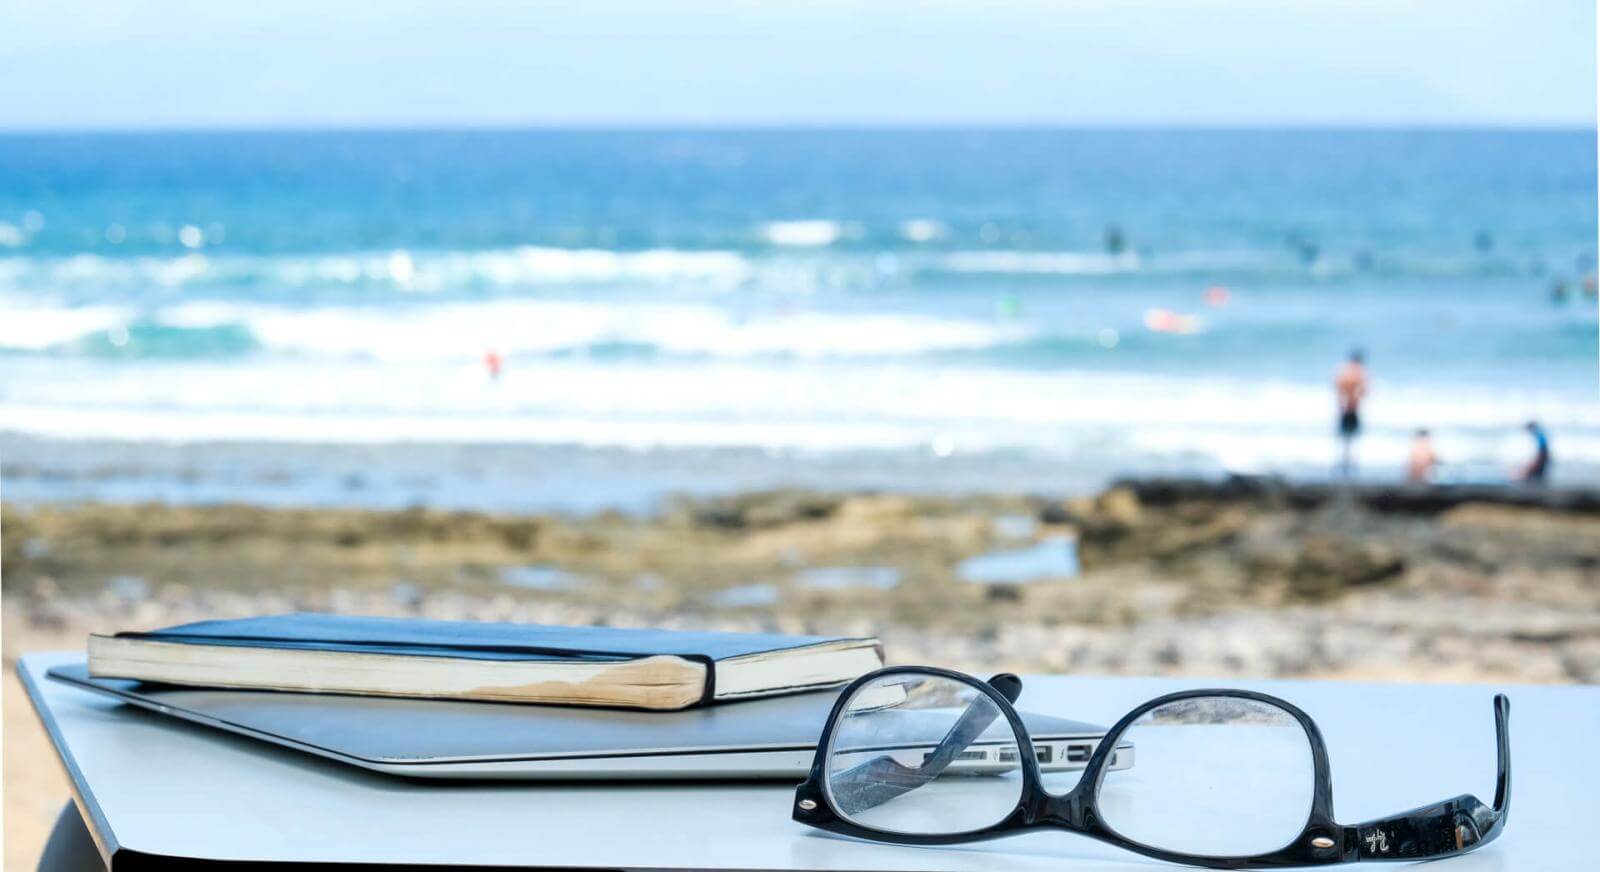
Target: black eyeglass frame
column 1430, row 831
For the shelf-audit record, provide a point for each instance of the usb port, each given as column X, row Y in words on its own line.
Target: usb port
column 1045, row 753
column 1079, row 753
column 965, row 756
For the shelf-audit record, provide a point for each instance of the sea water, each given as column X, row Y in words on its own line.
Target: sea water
column 933, row 309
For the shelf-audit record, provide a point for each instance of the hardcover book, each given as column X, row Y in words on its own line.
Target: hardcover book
column 502, row 662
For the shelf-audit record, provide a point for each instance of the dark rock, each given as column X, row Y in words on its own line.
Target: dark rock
column 519, row 535
column 1003, row 593
column 762, row 510
column 1325, row 566
column 1055, row 513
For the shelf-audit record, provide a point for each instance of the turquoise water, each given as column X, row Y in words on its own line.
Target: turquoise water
column 911, row 294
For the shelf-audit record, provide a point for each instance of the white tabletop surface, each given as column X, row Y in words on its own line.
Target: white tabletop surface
column 163, row 787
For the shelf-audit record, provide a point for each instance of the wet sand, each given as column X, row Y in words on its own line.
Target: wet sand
column 1201, row 578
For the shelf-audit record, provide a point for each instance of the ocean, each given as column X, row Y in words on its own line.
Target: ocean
column 310, row 317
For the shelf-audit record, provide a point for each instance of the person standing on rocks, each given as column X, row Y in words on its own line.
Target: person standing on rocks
column 1350, row 388
column 1535, row 471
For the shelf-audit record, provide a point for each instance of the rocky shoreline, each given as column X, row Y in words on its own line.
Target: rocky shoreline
column 1243, row 577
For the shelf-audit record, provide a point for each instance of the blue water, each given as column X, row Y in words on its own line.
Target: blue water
column 935, row 293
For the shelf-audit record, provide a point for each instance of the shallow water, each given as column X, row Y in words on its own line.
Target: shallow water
column 847, row 577
column 745, row 596
column 1054, row 557
column 547, row 578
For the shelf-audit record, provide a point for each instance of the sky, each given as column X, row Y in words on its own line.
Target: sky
column 159, row 64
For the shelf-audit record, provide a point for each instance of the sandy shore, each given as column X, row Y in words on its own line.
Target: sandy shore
column 1195, row 579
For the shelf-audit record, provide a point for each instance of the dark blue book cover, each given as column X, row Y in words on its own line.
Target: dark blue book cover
column 483, row 641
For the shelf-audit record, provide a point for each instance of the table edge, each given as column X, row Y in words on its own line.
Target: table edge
column 105, row 841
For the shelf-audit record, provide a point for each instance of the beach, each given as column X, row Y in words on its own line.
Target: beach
column 1254, row 578
column 1038, row 400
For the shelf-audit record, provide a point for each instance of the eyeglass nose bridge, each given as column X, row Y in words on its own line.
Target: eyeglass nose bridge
column 1066, row 810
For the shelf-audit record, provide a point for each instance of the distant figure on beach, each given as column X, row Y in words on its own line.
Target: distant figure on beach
column 493, row 363
column 1350, row 387
column 1539, row 467
column 1424, row 461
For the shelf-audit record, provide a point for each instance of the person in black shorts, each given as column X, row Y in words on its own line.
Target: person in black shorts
column 1350, row 388
column 1350, row 423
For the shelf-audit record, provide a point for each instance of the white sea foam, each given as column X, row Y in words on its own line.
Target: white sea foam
column 465, row 331
column 713, row 375
column 405, row 270
column 803, row 234
column 27, row 326
column 1040, row 262
column 1113, row 422
column 558, row 265
column 923, row 230
column 805, row 262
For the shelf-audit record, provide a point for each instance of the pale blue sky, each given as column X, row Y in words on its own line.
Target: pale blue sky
column 220, row 63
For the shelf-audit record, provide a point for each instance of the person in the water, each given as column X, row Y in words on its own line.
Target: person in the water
column 1116, row 243
column 1538, row 468
column 1424, row 461
column 1350, row 388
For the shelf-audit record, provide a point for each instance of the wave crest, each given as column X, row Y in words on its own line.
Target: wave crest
column 460, row 331
column 802, row 258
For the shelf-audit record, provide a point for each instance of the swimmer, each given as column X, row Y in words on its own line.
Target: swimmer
column 1168, row 321
column 1116, row 243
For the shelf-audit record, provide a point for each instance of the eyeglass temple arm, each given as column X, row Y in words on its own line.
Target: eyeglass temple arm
column 883, row 778
column 1447, row 827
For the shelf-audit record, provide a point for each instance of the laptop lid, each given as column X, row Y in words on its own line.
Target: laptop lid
column 420, row 738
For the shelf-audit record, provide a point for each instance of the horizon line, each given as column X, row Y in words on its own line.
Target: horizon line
column 803, row 126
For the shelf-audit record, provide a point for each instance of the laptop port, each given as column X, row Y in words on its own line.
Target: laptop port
column 963, row 756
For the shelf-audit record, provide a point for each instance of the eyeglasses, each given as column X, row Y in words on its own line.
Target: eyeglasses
column 1220, row 778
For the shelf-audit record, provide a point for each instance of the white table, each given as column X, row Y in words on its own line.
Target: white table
column 154, row 789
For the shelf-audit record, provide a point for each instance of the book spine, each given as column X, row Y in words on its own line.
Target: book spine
column 710, row 694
